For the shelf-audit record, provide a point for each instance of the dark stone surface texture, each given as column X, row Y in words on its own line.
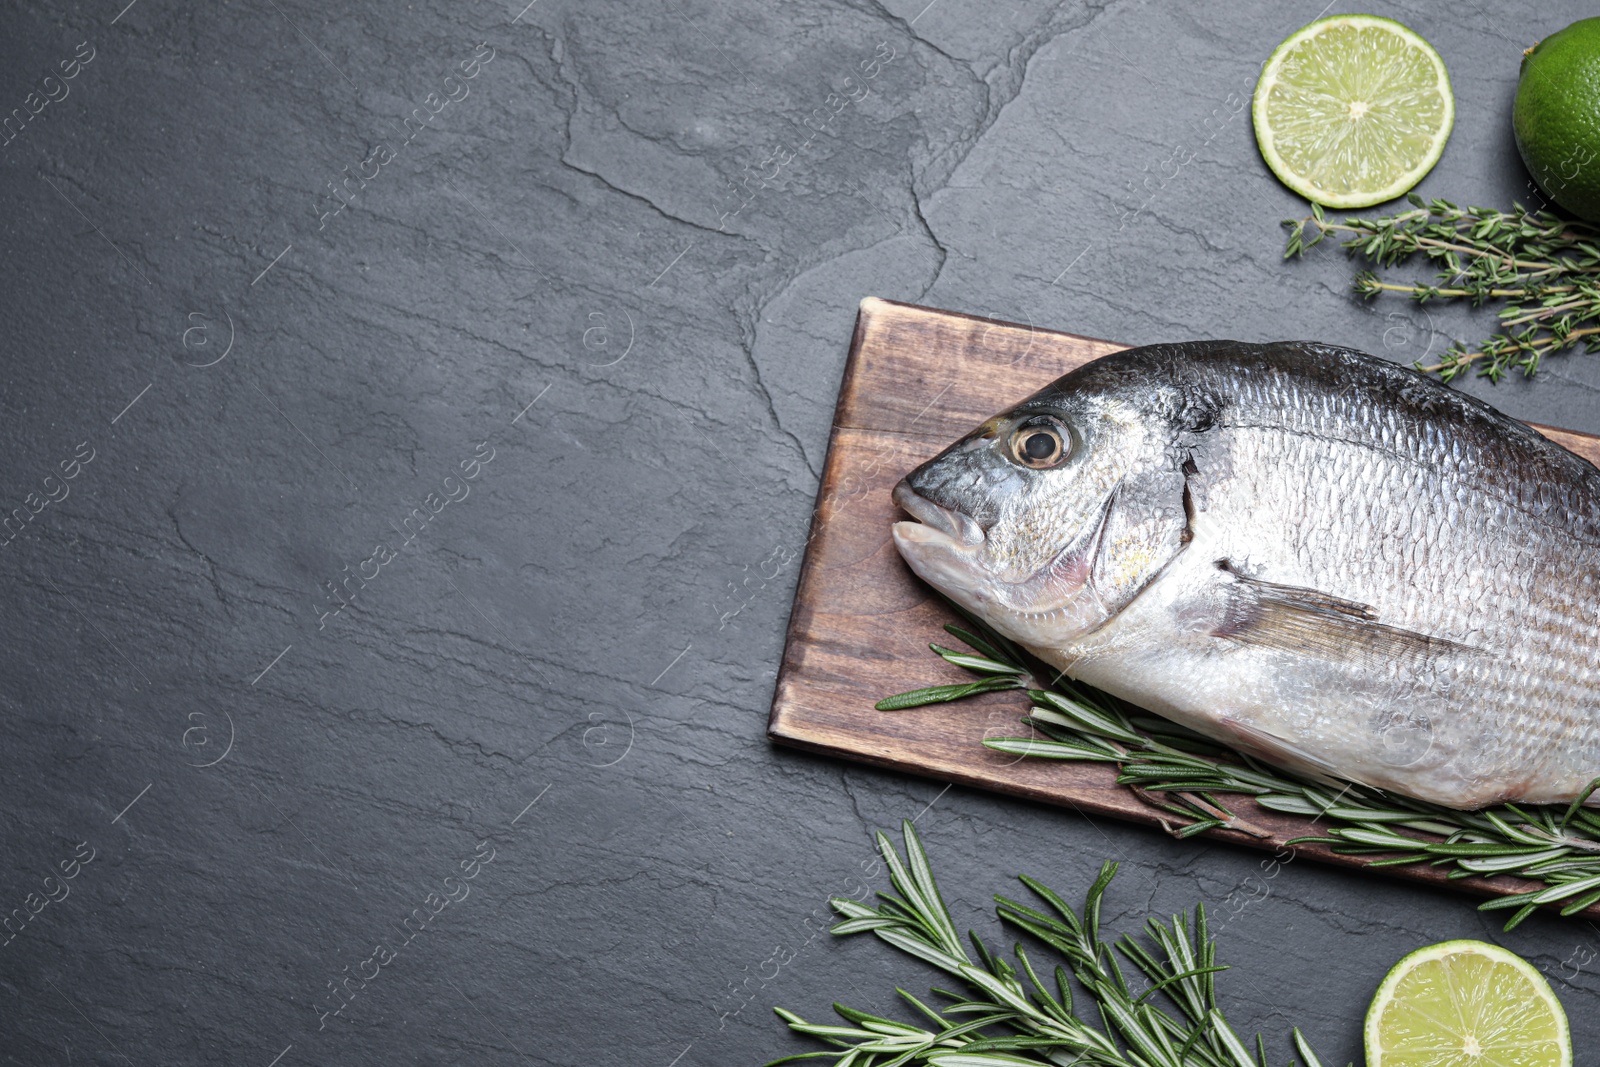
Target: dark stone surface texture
column 271, row 389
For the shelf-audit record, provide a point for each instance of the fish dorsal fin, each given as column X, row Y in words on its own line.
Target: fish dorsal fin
column 1296, row 619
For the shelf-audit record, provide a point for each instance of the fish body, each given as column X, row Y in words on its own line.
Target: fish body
column 1303, row 551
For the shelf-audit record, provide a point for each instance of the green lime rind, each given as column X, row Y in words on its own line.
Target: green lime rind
column 1556, row 117
column 1352, row 130
column 1538, row 1012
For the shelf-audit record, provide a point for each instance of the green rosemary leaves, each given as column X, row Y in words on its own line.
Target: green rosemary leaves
column 1182, row 774
column 1005, row 1014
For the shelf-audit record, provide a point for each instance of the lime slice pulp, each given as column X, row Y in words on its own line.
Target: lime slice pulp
column 1466, row 1003
column 1353, row 110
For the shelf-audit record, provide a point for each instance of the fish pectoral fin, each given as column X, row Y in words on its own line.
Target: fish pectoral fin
column 1295, row 619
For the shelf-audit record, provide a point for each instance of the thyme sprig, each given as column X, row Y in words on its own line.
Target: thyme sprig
column 1007, row 1015
column 1546, row 268
column 1182, row 774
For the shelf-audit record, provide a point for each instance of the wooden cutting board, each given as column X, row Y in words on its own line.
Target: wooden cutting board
column 918, row 378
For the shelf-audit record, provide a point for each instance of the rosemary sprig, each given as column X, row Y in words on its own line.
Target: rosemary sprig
column 1182, row 773
column 1545, row 267
column 1008, row 1016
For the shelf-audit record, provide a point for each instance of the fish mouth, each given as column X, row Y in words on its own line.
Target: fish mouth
column 946, row 549
column 934, row 522
column 943, row 547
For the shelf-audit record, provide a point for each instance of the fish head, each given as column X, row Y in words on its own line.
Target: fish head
column 1048, row 518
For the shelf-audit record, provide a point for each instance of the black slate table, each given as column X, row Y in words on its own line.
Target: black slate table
column 412, row 415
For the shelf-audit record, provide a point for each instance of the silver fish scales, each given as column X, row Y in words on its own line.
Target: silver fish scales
column 1305, row 552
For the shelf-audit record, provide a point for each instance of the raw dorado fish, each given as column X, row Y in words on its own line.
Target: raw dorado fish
column 1308, row 553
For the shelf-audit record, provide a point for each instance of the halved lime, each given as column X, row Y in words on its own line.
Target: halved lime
column 1353, row 110
column 1462, row 1003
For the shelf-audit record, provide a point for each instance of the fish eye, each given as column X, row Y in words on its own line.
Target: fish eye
column 1040, row 443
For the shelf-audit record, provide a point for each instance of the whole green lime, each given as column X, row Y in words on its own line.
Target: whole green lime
column 1557, row 116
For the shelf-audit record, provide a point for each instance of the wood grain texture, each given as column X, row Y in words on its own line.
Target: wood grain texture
column 918, row 378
